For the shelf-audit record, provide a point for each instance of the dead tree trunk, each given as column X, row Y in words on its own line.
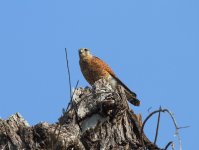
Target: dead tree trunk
column 99, row 118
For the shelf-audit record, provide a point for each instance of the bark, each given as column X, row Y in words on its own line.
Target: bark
column 99, row 118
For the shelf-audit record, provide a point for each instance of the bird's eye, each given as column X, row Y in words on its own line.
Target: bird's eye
column 86, row 49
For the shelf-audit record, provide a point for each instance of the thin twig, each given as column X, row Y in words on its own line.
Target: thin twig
column 177, row 128
column 69, row 79
column 72, row 95
column 149, row 109
column 167, row 146
column 151, row 114
column 157, row 128
column 183, row 127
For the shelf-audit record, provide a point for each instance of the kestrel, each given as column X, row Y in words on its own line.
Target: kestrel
column 94, row 69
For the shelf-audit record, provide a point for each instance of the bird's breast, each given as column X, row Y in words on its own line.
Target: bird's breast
column 92, row 71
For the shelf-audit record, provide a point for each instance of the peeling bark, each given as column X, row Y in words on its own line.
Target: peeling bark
column 99, row 118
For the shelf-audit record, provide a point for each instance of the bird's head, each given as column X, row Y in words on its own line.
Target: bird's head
column 84, row 53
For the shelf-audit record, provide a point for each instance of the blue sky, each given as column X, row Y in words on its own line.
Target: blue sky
column 151, row 45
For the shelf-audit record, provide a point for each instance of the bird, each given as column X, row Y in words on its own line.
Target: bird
column 94, row 69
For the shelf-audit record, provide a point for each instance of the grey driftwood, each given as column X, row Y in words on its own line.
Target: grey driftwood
column 98, row 118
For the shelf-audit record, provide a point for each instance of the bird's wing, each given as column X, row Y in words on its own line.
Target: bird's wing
column 130, row 95
column 104, row 66
column 109, row 70
column 122, row 84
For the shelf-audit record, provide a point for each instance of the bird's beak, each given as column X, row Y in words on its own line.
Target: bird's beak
column 81, row 50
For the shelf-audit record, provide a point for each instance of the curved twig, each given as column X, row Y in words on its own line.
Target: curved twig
column 167, row 146
column 147, row 118
column 173, row 119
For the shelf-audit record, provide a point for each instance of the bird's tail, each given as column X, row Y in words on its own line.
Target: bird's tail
column 131, row 96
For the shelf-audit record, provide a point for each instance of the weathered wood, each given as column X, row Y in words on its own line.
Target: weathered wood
column 98, row 118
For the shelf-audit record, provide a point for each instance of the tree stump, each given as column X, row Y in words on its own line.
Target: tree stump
column 99, row 118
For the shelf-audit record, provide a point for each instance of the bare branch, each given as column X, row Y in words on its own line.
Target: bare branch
column 173, row 119
column 177, row 128
column 157, row 128
column 69, row 79
column 167, row 146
